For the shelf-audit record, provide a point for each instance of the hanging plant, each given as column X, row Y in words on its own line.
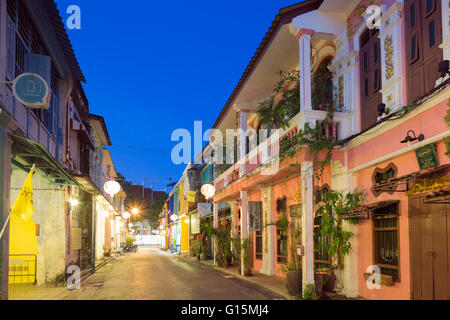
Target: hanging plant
column 284, row 103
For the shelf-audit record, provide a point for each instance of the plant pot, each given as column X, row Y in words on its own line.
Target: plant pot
column 318, row 279
column 294, row 283
column 329, row 283
column 202, row 257
column 248, row 272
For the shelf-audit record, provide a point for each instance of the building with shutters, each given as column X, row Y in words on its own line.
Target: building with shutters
column 60, row 141
column 389, row 102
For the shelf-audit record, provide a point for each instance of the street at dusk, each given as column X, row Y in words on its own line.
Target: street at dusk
column 185, row 154
column 154, row 275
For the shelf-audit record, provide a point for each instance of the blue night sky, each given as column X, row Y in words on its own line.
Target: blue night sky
column 155, row 66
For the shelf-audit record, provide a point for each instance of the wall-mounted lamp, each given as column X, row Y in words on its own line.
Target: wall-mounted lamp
column 444, row 68
column 408, row 139
column 381, row 109
column 73, row 202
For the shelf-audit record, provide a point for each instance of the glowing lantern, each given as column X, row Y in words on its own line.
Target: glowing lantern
column 112, row 188
column 126, row 215
column 208, row 191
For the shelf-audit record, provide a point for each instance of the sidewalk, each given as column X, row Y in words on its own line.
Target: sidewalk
column 48, row 292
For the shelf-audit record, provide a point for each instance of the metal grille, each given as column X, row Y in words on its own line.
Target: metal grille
column 22, row 268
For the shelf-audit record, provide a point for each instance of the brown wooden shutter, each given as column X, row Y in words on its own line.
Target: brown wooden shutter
column 370, row 77
column 423, row 35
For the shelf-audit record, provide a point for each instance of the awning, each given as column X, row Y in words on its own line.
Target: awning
column 368, row 211
column 88, row 185
column 438, row 197
column 393, row 184
column 26, row 152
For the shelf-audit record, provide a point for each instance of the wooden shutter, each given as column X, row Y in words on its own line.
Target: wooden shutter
column 10, row 48
column 40, row 65
column 370, row 77
column 423, row 35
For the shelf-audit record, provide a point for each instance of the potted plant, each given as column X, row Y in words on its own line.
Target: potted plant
column 292, row 270
column 202, row 254
column 310, row 292
column 337, row 244
column 247, row 268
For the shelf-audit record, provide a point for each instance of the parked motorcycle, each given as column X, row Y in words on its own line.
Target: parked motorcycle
column 133, row 248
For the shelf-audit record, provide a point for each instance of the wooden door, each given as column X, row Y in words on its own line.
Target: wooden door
column 370, row 77
column 430, row 241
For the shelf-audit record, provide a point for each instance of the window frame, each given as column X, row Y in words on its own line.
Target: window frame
column 375, row 245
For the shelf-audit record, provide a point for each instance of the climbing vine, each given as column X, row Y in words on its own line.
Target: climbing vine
column 316, row 139
column 447, row 139
column 335, row 205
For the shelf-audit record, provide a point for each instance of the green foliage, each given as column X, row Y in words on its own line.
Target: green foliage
column 129, row 241
column 447, row 139
column 284, row 103
column 236, row 242
column 315, row 139
column 245, row 247
column 334, row 206
column 309, row 292
column 288, row 228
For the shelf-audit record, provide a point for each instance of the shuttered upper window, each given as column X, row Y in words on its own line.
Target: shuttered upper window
column 423, row 35
column 370, row 77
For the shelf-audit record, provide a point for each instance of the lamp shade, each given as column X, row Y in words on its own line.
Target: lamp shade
column 208, row 190
column 112, row 187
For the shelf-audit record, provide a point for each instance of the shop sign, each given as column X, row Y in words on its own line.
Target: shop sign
column 204, row 210
column 191, row 196
column 427, row 158
column 32, row 91
column 255, row 215
column 296, row 211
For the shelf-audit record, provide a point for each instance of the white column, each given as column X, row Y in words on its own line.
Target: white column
column 242, row 140
column 308, row 223
column 244, row 226
column 304, row 37
column 269, row 233
column 215, row 226
column 446, row 28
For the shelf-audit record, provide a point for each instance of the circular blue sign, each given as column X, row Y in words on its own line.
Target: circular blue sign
column 31, row 90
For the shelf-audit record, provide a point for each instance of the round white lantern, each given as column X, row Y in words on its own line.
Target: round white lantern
column 126, row 215
column 208, row 191
column 173, row 217
column 112, row 187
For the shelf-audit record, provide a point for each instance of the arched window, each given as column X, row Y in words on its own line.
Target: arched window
column 322, row 86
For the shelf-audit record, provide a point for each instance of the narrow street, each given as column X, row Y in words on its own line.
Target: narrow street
column 151, row 274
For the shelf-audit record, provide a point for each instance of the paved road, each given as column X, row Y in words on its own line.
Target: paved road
column 152, row 274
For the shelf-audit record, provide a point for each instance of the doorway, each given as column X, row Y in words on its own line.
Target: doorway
column 429, row 248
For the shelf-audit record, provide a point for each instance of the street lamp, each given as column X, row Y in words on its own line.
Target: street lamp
column 135, row 211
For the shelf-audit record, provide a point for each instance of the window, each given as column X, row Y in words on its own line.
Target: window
column 322, row 86
column 386, row 241
column 423, row 34
column 259, row 245
column 321, row 258
column 282, row 242
column 370, row 77
column 431, row 34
